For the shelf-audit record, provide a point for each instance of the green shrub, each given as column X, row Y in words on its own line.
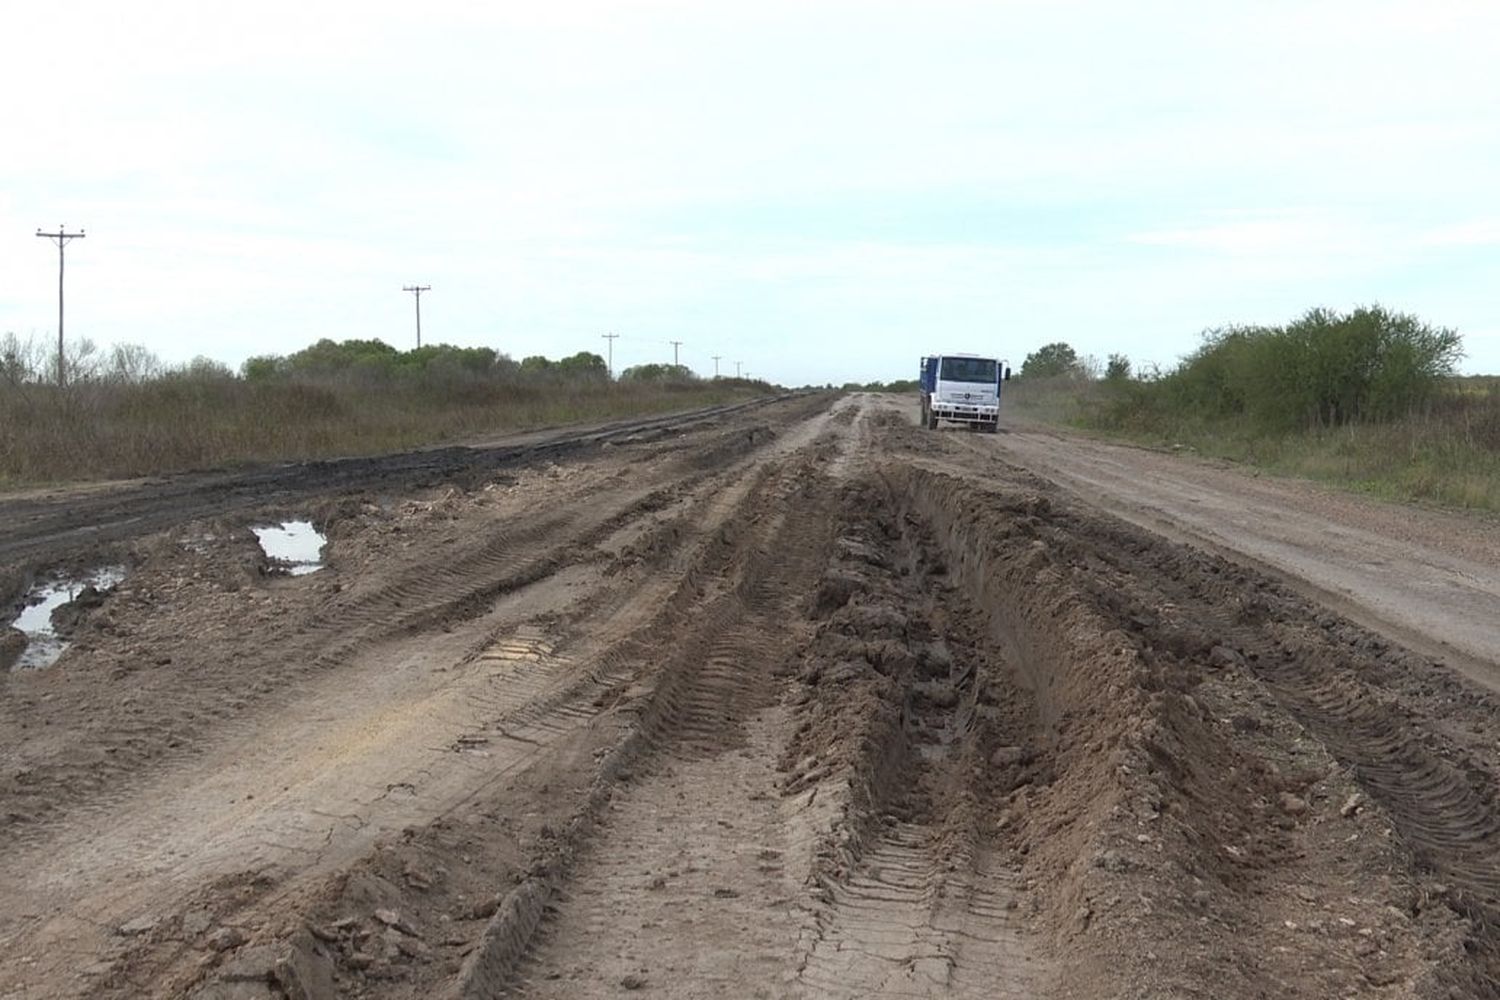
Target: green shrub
column 1325, row 369
column 1049, row 361
column 1366, row 399
column 658, row 373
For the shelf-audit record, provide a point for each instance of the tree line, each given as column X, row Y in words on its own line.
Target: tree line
column 29, row 362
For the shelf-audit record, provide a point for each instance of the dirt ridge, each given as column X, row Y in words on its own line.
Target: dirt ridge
column 1125, row 742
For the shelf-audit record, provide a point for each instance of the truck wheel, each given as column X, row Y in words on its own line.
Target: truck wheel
column 931, row 421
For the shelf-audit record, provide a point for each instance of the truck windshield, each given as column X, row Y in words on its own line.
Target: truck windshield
column 968, row 370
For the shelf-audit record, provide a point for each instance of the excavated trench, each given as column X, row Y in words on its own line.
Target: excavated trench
column 911, row 724
column 1263, row 797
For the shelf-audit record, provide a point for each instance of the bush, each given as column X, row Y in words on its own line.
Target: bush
column 658, row 373
column 1323, row 370
column 1049, row 361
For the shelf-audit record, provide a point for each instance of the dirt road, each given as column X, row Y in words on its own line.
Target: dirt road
column 1429, row 577
column 795, row 699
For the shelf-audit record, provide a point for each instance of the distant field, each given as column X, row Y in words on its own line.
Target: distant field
column 103, row 431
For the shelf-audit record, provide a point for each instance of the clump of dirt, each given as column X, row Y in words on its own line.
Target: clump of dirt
column 12, row 644
column 66, row 618
column 407, row 915
column 849, row 711
column 14, row 582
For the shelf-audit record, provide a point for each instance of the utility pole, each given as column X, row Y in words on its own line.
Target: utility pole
column 716, row 364
column 737, row 369
column 61, row 238
column 418, row 289
column 611, row 364
column 675, row 344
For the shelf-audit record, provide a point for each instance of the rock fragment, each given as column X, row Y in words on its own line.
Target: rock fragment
column 226, row 938
column 1222, row 658
column 140, row 925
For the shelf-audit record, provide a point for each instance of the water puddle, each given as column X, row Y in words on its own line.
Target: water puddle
column 43, row 644
column 295, row 546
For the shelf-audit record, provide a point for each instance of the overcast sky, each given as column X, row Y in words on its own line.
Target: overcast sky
column 823, row 191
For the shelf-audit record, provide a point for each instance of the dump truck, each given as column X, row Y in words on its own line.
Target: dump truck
column 962, row 389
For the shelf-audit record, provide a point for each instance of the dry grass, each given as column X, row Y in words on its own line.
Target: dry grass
column 181, row 422
column 1447, row 454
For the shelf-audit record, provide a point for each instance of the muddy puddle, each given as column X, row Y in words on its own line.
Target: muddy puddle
column 43, row 642
column 295, row 546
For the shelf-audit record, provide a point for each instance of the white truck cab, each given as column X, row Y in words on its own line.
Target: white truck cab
column 962, row 388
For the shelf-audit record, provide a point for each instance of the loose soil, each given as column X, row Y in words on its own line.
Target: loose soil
column 788, row 700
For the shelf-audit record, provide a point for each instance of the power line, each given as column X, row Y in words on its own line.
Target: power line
column 737, row 368
column 62, row 237
column 611, row 337
column 675, row 344
column 716, row 364
column 418, row 289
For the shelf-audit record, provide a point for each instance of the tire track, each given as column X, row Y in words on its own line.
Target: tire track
column 699, row 727
column 508, row 561
column 59, row 527
column 1443, row 801
column 540, row 690
column 917, row 897
column 905, row 925
column 535, row 689
column 419, row 597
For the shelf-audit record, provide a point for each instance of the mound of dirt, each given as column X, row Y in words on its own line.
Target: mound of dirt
column 12, row 645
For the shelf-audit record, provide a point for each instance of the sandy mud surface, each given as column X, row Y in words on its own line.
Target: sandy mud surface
column 786, row 700
column 1430, row 577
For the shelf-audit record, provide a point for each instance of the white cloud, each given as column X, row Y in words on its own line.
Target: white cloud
column 1257, row 235
column 1476, row 233
column 255, row 177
